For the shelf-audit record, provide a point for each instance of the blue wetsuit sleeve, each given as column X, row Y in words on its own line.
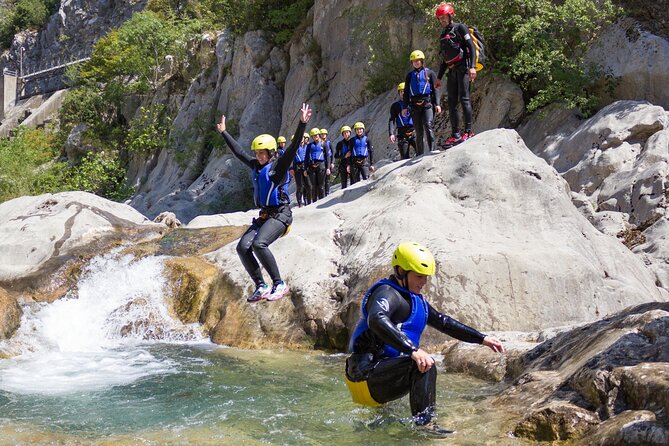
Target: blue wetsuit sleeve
column 238, row 151
column 453, row 328
column 283, row 163
column 383, row 307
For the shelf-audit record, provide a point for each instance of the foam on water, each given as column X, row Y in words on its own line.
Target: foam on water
column 92, row 339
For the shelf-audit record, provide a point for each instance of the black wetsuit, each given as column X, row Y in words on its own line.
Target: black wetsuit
column 316, row 171
column 391, row 378
column 343, row 147
column 302, row 183
column 360, row 164
column 273, row 221
column 405, row 134
column 329, row 166
column 459, row 55
column 422, row 109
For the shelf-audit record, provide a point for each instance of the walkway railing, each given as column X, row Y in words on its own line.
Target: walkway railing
column 46, row 80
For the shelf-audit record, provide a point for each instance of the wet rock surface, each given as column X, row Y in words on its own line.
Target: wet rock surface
column 596, row 372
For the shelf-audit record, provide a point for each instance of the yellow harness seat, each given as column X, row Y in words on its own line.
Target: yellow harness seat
column 360, row 393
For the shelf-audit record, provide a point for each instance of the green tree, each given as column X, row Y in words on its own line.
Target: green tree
column 132, row 56
column 24, row 159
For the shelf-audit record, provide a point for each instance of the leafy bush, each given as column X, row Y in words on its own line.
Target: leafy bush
column 101, row 173
column 149, row 130
column 20, row 161
column 131, row 56
column 23, row 14
column 240, row 16
column 29, row 165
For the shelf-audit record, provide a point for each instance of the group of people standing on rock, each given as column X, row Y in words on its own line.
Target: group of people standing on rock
column 314, row 162
column 411, row 117
column 386, row 360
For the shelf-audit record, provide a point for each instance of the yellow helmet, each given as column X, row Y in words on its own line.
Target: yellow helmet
column 281, row 139
column 315, row 131
column 306, row 135
column 411, row 256
column 324, row 131
column 345, row 128
column 416, row 54
column 359, row 125
column 400, row 86
column 263, row 142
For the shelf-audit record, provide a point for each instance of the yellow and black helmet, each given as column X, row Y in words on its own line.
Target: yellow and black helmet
column 411, row 256
column 263, row 142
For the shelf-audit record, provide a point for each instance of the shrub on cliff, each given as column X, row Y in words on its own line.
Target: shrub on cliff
column 23, row 14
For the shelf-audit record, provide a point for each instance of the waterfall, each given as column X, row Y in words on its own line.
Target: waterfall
column 98, row 335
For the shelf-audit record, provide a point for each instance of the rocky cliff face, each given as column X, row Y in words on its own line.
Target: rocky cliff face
column 69, row 34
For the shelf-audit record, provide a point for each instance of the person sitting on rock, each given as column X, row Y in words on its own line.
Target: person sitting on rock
column 361, row 154
column 270, row 192
column 387, row 360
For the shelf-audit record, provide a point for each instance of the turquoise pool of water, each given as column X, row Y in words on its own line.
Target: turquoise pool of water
column 215, row 395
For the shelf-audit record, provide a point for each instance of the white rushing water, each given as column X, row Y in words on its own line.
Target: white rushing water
column 96, row 337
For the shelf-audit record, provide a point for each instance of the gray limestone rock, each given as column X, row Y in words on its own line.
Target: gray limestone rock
column 637, row 60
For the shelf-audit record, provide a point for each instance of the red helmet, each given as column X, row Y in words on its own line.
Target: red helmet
column 444, row 9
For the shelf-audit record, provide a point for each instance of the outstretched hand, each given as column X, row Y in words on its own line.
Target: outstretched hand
column 221, row 125
column 305, row 113
column 494, row 344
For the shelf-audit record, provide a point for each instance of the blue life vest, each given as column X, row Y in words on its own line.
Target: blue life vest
column 317, row 154
column 420, row 83
column 301, row 154
column 413, row 327
column 360, row 148
column 403, row 121
column 265, row 192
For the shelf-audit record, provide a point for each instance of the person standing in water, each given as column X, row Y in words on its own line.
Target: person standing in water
column 387, row 360
column 270, row 193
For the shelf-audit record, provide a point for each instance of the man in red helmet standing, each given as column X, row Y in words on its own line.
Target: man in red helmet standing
column 459, row 58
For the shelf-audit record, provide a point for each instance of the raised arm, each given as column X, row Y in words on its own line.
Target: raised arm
column 234, row 145
column 284, row 162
